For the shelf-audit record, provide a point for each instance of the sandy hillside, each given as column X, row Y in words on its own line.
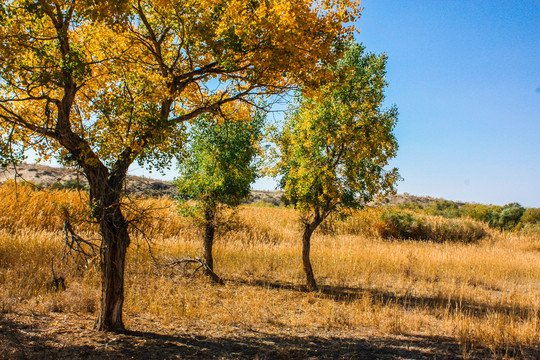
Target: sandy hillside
column 46, row 176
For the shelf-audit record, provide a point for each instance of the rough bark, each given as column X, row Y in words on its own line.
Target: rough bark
column 105, row 194
column 306, row 262
column 208, row 241
column 115, row 241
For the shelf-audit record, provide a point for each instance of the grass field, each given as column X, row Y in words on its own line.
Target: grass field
column 379, row 296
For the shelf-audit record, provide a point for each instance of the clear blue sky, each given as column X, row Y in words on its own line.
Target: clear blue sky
column 465, row 76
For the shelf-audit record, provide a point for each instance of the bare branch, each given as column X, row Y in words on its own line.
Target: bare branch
column 202, row 265
column 75, row 245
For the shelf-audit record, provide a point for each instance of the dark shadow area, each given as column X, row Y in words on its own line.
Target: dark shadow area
column 408, row 301
column 20, row 341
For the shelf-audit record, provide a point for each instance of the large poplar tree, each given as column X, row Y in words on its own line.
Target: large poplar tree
column 104, row 83
column 334, row 147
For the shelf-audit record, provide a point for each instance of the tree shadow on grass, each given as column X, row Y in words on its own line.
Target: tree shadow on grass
column 23, row 341
column 408, row 301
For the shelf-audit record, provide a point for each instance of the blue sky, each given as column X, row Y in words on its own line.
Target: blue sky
column 465, row 76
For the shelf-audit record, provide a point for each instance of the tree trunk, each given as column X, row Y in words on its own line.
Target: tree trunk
column 306, row 244
column 115, row 241
column 208, row 241
column 105, row 195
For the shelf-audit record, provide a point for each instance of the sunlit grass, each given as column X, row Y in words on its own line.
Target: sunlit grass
column 483, row 294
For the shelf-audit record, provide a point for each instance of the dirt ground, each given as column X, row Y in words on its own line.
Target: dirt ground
column 70, row 336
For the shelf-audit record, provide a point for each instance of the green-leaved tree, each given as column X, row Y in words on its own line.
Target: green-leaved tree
column 218, row 173
column 334, row 148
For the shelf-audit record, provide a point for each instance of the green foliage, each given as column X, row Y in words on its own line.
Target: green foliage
column 221, row 165
column 503, row 218
column 410, row 206
column 334, row 148
column 71, row 184
column 406, row 225
column 531, row 216
column 10, row 153
column 510, row 216
column 488, row 214
column 403, row 225
column 445, row 208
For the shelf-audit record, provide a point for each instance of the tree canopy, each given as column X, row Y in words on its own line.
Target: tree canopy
column 124, row 76
column 336, row 145
column 222, row 162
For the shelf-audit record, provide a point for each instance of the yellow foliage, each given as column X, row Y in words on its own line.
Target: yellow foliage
column 129, row 73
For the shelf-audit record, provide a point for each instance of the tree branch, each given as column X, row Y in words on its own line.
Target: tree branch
column 200, row 262
column 18, row 120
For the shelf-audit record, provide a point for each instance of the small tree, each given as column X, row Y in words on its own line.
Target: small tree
column 335, row 146
column 218, row 173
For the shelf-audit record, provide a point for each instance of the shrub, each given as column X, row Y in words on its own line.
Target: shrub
column 465, row 231
column 504, row 218
column 510, row 216
column 531, row 216
column 446, row 208
column 488, row 214
column 410, row 206
column 71, row 184
column 406, row 225
column 530, row 221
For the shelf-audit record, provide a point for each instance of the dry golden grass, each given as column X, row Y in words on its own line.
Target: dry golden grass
column 485, row 294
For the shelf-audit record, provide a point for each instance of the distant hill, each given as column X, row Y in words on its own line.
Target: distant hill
column 410, row 199
column 47, row 176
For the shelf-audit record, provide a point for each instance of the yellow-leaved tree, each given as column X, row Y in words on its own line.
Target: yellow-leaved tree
column 101, row 84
